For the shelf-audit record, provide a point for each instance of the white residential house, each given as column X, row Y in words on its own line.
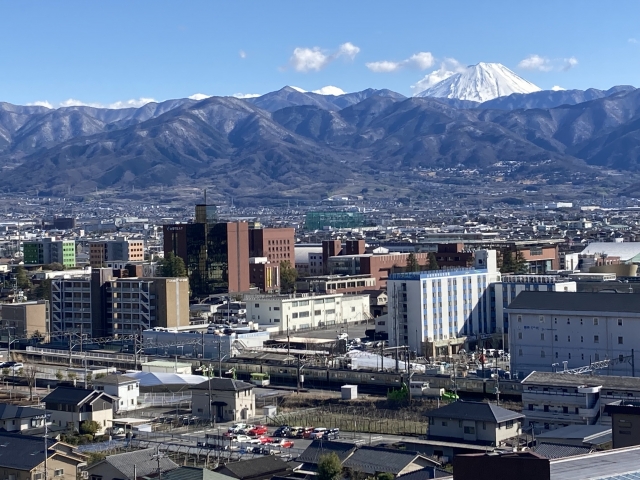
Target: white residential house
column 126, row 389
column 70, row 406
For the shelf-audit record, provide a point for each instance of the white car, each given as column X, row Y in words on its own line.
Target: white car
column 245, row 439
column 318, row 432
column 237, row 427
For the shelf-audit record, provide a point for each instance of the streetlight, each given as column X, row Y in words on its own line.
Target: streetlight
column 13, row 369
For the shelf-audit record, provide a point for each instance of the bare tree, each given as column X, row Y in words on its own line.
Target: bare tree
column 30, row 372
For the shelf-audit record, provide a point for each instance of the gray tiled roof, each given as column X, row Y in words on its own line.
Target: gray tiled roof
column 558, row 450
column 8, row 411
column 193, row 473
column 224, row 384
column 255, row 467
column 568, row 380
column 576, row 302
column 478, row 411
column 373, row 460
column 22, row 452
column 115, row 379
column 145, row 461
column 314, row 451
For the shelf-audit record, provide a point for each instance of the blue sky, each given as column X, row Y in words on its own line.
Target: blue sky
column 118, row 51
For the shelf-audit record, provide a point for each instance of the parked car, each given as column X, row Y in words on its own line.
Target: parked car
column 257, row 431
column 282, row 431
column 284, row 443
column 306, row 432
column 242, row 439
column 236, row 427
column 332, row 434
column 265, row 440
column 293, row 432
column 318, row 433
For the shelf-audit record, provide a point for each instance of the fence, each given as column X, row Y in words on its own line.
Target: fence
column 163, row 399
column 356, row 420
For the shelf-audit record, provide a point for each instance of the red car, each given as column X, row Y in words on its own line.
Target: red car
column 284, row 443
column 264, row 440
column 257, row 431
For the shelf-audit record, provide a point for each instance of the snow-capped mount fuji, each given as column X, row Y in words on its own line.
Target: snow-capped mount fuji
column 479, row 83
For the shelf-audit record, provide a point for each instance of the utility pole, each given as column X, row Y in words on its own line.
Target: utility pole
column 46, row 446
column 395, row 325
column 633, row 363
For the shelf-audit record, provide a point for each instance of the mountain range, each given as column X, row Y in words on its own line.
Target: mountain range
column 305, row 145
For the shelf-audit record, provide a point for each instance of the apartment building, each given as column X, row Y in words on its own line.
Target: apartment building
column 104, row 253
column 48, row 250
column 557, row 330
column 347, row 284
column 264, row 275
column 554, row 400
column 436, row 311
column 25, row 318
column 302, row 311
column 98, row 304
column 136, row 304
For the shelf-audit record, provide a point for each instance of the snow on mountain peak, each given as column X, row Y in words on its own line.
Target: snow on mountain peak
column 479, row 83
column 328, row 90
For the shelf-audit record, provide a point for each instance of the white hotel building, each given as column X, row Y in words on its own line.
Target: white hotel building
column 279, row 313
column 435, row 312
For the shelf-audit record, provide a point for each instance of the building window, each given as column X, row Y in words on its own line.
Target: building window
column 510, row 424
column 556, row 354
column 519, row 318
column 542, row 354
column 469, row 430
column 519, row 335
column 569, row 338
column 580, row 321
column 555, row 337
column 581, row 339
column 620, row 340
column 520, row 352
column 595, row 321
column 444, row 424
column 596, row 339
column 58, row 473
column 619, row 322
column 541, row 318
column 542, row 336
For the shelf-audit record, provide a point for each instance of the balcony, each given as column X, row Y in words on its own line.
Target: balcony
column 553, row 398
column 589, row 412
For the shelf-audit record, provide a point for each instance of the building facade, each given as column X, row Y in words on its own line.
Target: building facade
column 304, row 311
column 276, row 244
column 435, row 312
column 553, row 331
column 224, row 400
column 216, row 255
column 119, row 250
column 554, row 400
column 47, row 250
column 264, row 274
column 25, row 318
column 125, row 389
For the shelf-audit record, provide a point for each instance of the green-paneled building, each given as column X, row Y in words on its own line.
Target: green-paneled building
column 320, row 220
column 47, row 250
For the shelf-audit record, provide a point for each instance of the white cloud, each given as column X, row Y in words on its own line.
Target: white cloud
column 557, row 88
column 134, row 103
column 40, row 103
column 569, row 63
column 448, row 67
column 242, row 54
column 329, row 90
column 246, row 95
column 72, row 102
column 199, row 96
column 544, row 64
column 633, row 40
column 536, row 62
column 420, row 60
column 306, row 59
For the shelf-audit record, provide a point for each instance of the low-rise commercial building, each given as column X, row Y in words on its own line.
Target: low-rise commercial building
column 26, row 318
column 303, row 311
column 554, row 400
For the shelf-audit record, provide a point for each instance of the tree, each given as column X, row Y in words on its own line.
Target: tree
column 288, row 277
column 55, row 266
column 95, row 457
column 59, row 375
column 30, row 373
column 37, row 336
column 511, row 265
column 43, row 290
column 71, row 375
column 22, row 278
column 329, row 467
column 520, row 266
column 89, row 427
column 386, row 476
column 172, row 266
column 432, row 262
column 412, row 263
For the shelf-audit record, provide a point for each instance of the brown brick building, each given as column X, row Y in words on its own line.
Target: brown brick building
column 276, row 244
